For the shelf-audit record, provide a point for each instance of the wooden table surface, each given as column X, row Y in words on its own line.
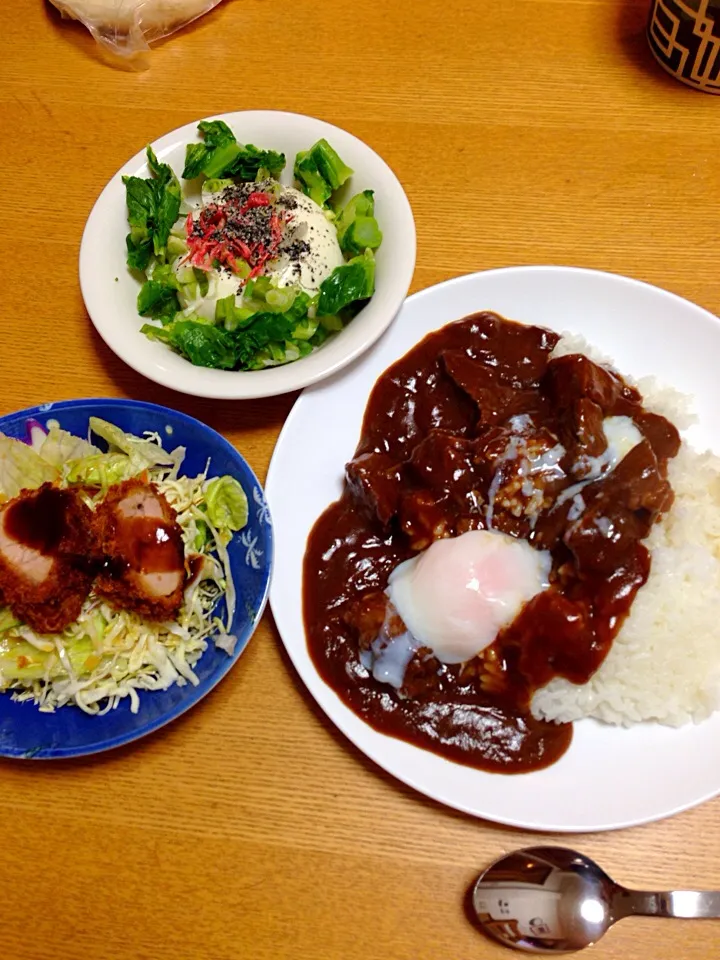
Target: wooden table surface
column 250, row 828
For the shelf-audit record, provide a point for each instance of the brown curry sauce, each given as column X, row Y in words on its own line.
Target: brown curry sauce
column 431, row 457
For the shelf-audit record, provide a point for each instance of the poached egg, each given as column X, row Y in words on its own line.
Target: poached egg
column 458, row 594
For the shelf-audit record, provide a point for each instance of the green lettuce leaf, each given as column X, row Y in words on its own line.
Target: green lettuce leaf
column 214, row 186
column 8, row 620
column 21, row 468
column 104, row 469
column 144, row 452
column 362, row 234
column 201, row 343
column 59, row 447
column 221, row 156
column 347, row 284
column 357, row 228
column 232, row 317
column 153, row 207
column 269, row 338
column 195, row 156
column 226, row 503
column 262, row 295
column 320, row 171
column 238, row 341
column 140, row 202
column 158, row 300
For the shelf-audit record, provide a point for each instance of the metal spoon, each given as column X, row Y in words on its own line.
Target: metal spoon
column 554, row 900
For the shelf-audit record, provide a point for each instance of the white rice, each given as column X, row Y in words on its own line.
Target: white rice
column 664, row 664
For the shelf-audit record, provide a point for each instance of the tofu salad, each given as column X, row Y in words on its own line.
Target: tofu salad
column 257, row 273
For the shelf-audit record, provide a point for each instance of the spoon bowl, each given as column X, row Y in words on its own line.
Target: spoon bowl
column 556, row 900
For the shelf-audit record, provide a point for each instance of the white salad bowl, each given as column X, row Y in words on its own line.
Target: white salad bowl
column 110, row 290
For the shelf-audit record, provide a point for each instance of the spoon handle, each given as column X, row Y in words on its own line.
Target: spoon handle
column 692, row 904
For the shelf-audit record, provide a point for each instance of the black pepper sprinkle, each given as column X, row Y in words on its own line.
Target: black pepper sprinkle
column 253, row 227
column 296, row 249
column 288, row 201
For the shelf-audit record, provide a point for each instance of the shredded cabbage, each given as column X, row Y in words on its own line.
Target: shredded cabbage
column 109, row 654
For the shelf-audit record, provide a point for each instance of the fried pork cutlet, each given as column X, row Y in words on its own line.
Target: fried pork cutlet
column 46, row 552
column 142, row 543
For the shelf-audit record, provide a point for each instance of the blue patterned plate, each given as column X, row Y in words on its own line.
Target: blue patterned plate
column 27, row 733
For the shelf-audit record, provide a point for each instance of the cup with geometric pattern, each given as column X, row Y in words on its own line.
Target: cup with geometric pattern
column 684, row 37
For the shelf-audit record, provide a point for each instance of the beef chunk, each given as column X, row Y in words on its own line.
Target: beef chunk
column 662, row 436
column 445, row 464
column 517, row 355
column 638, row 482
column 424, row 519
column 496, row 401
column 600, row 542
column 582, row 435
column 574, row 376
column 555, row 637
column 376, row 481
column 501, row 382
column 620, row 510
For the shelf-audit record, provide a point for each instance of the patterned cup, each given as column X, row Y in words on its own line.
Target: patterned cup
column 684, row 36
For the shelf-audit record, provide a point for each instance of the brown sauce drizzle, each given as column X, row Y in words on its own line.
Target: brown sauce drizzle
column 430, row 456
column 150, row 545
column 40, row 522
column 194, row 567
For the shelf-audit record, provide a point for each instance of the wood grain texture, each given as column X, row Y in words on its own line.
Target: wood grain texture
column 525, row 131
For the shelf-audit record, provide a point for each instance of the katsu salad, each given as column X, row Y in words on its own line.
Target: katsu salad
column 256, row 273
column 113, row 566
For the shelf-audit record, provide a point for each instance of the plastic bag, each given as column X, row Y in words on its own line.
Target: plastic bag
column 126, row 27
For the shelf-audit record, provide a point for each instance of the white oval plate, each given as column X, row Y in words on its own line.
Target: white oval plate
column 110, row 290
column 610, row 777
